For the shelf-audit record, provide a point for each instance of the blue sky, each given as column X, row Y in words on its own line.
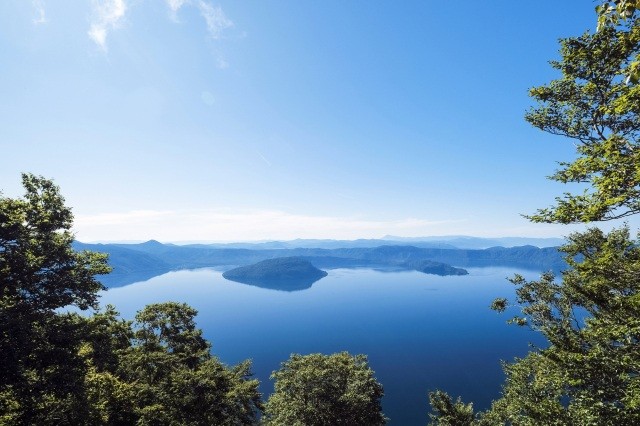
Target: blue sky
column 202, row 120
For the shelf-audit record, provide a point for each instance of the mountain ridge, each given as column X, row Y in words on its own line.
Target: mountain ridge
column 134, row 262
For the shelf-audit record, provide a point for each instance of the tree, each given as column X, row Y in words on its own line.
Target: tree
column 323, row 390
column 177, row 381
column 590, row 371
column 449, row 413
column 619, row 13
column 593, row 105
column 62, row 368
column 111, row 400
column 41, row 373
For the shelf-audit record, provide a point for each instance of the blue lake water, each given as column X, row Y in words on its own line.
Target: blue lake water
column 421, row 332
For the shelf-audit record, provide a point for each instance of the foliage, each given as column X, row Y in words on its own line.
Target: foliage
column 323, row 390
column 177, row 381
column 620, row 12
column 591, row 319
column 445, row 412
column 62, row 368
column 41, row 373
column 592, row 104
column 590, row 371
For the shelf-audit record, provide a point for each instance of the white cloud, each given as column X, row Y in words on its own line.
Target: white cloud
column 175, row 5
column 107, row 16
column 225, row 225
column 215, row 18
column 41, row 17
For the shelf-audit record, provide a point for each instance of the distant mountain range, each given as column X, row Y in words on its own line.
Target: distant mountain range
column 467, row 242
column 137, row 262
column 451, row 242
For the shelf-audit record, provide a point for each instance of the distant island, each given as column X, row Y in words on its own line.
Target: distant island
column 435, row 268
column 139, row 262
column 282, row 273
column 297, row 273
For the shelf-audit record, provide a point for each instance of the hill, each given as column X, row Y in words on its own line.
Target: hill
column 284, row 273
column 136, row 262
column 435, row 268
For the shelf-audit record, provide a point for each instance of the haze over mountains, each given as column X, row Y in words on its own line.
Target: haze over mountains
column 464, row 241
column 137, row 262
column 450, row 241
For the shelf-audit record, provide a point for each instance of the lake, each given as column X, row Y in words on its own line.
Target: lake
column 421, row 332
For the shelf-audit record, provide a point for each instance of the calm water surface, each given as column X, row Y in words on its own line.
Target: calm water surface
column 420, row 332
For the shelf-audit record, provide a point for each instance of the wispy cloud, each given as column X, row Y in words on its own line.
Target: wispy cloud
column 215, row 18
column 225, row 225
column 174, row 6
column 107, row 16
column 41, row 17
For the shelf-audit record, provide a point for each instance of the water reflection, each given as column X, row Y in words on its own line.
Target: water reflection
column 121, row 279
column 280, row 284
column 421, row 332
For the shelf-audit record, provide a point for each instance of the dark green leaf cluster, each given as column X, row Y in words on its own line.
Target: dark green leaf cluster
column 63, row 368
column 591, row 369
column 325, row 390
column 160, row 371
column 446, row 412
column 41, row 372
column 590, row 372
column 67, row 369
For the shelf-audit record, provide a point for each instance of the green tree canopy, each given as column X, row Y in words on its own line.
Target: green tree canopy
column 593, row 105
column 324, row 390
column 589, row 374
column 41, row 373
column 446, row 412
column 177, row 381
column 591, row 319
column 62, row 368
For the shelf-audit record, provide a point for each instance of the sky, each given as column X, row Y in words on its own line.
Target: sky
column 185, row 120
